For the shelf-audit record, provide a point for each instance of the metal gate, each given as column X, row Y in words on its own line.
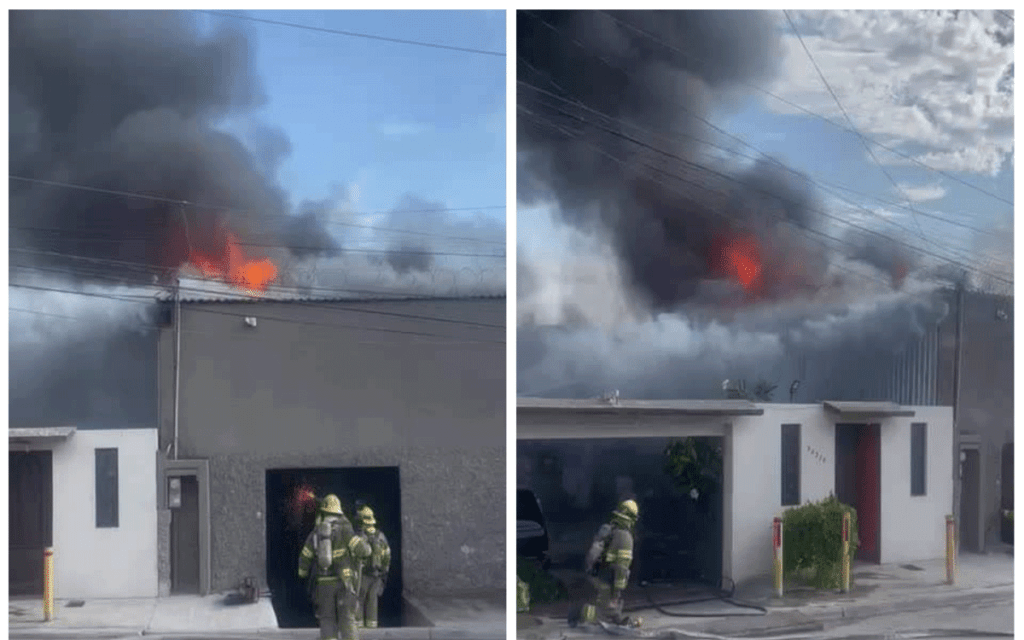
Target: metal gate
column 31, row 519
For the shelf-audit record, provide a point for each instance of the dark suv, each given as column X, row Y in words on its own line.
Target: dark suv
column 531, row 529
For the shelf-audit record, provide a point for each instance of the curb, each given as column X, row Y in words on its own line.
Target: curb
column 396, row 633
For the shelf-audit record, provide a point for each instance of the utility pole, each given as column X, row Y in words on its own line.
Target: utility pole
column 957, row 360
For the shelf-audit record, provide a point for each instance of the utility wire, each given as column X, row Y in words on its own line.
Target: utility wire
column 850, row 120
column 576, row 102
column 151, row 301
column 353, row 34
column 766, row 92
column 154, row 325
column 335, row 305
column 129, row 194
column 733, row 179
column 955, row 252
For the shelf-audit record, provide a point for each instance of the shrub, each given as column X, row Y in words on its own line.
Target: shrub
column 812, row 541
column 543, row 587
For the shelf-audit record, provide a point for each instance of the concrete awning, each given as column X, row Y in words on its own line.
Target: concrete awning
column 869, row 409
column 38, row 436
column 709, row 408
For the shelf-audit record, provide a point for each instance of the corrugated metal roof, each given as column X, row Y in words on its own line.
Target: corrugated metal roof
column 680, row 407
column 880, row 409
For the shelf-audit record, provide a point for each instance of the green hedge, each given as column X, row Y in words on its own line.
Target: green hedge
column 812, row 542
column 544, row 588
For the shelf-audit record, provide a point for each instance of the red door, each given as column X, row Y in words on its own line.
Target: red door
column 869, row 495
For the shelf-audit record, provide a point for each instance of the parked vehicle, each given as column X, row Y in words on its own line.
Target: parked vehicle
column 531, row 528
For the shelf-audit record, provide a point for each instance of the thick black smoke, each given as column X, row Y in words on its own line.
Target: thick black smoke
column 126, row 101
column 610, row 123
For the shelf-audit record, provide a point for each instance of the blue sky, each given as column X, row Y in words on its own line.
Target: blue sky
column 385, row 118
column 921, row 84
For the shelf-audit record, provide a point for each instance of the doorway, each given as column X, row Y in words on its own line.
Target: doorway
column 185, row 536
column 970, row 499
column 30, row 524
column 288, row 526
column 858, row 483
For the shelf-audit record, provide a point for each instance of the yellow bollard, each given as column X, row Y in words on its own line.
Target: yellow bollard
column 950, row 550
column 777, row 559
column 48, row 584
column 846, row 553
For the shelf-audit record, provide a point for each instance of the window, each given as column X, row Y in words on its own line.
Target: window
column 790, row 464
column 106, row 488
column 918, row 464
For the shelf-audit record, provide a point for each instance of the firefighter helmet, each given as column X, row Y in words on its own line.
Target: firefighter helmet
column 628, row 510
column 366, row 516
column 331, row 505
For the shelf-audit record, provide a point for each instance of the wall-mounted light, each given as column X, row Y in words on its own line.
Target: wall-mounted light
column 250, row 321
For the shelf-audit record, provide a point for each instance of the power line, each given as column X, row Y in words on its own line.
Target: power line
column 353, row 34
column 151, row 301
column 727, row 177
column 129, row 194
column 766, row 92
column 850, row 120
column 419, row 317
column 957, row 253
column 733, row 179
column 154, row 325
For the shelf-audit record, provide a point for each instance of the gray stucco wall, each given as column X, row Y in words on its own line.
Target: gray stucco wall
column 986, row 390
column 315, row 386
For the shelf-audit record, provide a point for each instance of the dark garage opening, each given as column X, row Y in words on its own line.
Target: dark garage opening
column 579, row 482
column 288, row 527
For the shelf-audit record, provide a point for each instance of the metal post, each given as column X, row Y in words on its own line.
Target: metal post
column 48, row 584
column 950, row 549
column 846, row 553
column 177, row 361
column 777, row 560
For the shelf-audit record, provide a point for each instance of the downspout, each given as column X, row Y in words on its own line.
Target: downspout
column 177, row 361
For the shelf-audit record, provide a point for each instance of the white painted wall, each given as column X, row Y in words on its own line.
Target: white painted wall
column 105, row 563
column 757, row 485
column 914, row 527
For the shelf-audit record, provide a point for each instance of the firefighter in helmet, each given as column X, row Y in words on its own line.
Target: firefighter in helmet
column 332, row 558
column 607, row 567
column 375, row 571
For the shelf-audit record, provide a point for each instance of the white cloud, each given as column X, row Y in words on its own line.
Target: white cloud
column 930, row 84
column 922, row 193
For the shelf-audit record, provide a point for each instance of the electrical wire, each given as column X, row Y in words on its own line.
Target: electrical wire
column 352, row 34
column 575, row 101
column 849, row 120
column 150, row 301
column 960, row 255
column 185, row 203
column 143, row 269
column 706, row 169
column 803, row 109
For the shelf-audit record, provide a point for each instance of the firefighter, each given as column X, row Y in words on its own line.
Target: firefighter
column 332, row 558
column 375, row 571
column 607, row 568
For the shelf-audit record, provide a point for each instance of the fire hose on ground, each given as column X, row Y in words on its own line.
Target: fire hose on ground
column 721, row 595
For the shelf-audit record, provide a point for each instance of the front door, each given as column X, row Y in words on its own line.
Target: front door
column 185, row 539
column 31, row 519
column 858, row 483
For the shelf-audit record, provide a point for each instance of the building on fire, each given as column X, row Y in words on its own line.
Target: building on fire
column 398, row 402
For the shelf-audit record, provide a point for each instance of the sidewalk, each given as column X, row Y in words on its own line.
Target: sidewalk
column 437, row 619
column 878, row 590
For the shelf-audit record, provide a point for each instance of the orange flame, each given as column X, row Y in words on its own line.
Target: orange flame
column 252, row 276
column 739, row 258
